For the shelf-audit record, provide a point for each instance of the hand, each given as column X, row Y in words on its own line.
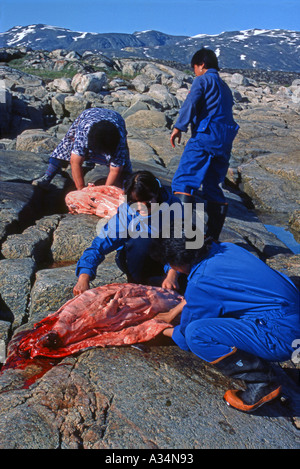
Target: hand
column 166, row 317
column 173, row 313
column 168, row 332
column 176, row 134
column 170, row 282
column 82, row 285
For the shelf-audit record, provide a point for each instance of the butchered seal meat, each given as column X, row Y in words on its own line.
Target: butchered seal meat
column 102, row 201
column 113, row 314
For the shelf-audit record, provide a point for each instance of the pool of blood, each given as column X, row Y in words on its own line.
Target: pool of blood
column 35, row 367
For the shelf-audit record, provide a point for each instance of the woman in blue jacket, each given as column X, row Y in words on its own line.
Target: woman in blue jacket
column 238, row 314
column 205, row 160
column 129, row 233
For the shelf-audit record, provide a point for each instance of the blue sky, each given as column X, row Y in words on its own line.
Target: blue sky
column 176, row 17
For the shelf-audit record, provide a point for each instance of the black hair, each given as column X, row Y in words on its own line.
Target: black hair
column 144, row 185
column 206, row 57
column 173, row 250
column 103, row 138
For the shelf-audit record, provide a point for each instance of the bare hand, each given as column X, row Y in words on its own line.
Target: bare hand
column 82, row 285
column 170, row 282
column 176, row 134
column 173, row 313
column 166, row 317
column 168, row 332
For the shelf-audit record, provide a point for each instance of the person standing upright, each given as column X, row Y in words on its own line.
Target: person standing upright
column 205, row 160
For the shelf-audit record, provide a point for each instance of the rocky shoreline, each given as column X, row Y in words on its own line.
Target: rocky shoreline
column 128, row 398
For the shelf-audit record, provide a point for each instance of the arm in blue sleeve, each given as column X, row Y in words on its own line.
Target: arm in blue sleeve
column 112, row 236
column 188, row 110
column 90, row 259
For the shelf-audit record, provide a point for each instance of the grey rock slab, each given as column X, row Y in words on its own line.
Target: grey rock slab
column 37, row 141
column 19, row 207
column 52, row 288
column 265, row 130
column 271, row 190
column 146, row 119
column 34, row 242
column 73, row 235
column 125, row 398
column 141, row 151
column 138, row 106
column 16, row 278
column 21, row 165
column 245, row 223
column 5, row 331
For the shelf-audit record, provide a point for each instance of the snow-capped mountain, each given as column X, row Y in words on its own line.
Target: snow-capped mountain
column 251, row 49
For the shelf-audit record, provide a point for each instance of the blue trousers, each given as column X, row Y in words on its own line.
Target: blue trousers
column 58, row 163
column 134, row 260
column 203, row 163
column 270, row 337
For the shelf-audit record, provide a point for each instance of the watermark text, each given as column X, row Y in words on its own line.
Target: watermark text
column 157, row 220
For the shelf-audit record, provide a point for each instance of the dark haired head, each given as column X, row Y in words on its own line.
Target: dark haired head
column 144, row 186
column 206, row 57
column 173, row 250
column 103, row 138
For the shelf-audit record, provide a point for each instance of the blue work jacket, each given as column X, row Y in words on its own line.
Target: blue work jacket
column 232, row 282
column 126, row 224
column 209, row 100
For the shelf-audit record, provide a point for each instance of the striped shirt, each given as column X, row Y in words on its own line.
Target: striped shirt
column 76, row 139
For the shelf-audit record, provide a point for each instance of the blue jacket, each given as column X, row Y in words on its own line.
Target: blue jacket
column 209, row 100
column 117, row 231
column 232, row 282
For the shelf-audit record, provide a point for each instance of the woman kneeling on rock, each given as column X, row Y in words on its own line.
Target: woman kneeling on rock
column 238, row 314
column 129, row 233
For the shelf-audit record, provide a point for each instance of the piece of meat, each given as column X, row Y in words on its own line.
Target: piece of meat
column 114, row 314
column 102, row 201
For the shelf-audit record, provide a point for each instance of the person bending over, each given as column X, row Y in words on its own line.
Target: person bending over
column 96, row 136
column 129, row 233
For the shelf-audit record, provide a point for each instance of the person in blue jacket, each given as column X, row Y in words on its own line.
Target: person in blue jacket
column 237, row 313
column 129, row 233
column 205, row 159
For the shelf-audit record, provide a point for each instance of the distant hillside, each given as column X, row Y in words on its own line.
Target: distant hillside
column 273, row 50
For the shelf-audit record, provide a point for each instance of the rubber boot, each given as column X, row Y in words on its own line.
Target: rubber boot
column 216, row 213
column 185, row 198
column 258, row 376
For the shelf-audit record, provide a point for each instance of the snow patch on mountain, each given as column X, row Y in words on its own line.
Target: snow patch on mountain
column 267, row 49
